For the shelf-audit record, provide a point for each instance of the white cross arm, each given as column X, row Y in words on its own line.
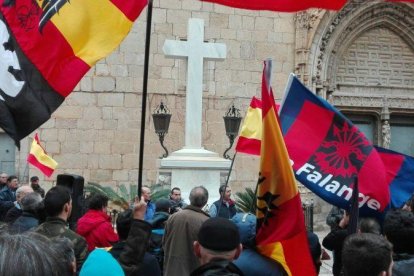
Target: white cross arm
column 215, row 51
column 175, row 49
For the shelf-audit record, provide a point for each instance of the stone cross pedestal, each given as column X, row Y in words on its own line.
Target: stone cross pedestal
column 193, row 165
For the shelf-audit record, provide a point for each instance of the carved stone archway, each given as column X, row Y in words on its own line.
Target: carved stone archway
column 362, row 59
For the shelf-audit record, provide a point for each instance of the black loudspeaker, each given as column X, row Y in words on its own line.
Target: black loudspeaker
column 75, row 184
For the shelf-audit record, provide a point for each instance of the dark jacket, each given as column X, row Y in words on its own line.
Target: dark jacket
column 7, row 199
column 12, row 214
column 334, row 241
column 226, row 210
column 217, row 267
column 158, row 220
column 39, row 190
column 56, row 227
column 95, row 226
column 25, row 222
column 403, row 265
column 149, row 263
column 131, row 258
column 252, row 263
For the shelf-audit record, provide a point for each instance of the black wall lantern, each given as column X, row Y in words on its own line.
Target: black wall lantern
column 232, row 121
column 161, row 118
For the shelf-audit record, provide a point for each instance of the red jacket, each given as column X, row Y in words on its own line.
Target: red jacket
column 95, row 226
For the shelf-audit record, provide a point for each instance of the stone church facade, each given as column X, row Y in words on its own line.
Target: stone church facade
column 361, row 59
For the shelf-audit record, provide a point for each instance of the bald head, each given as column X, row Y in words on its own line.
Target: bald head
column 199, row 196
column 22, row 191
column 146, row 193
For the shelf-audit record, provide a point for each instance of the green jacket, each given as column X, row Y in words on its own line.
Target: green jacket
column 56, row 227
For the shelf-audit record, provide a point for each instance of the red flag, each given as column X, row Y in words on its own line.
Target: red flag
column 39, row 158
column 281, row 233
column 282, row 5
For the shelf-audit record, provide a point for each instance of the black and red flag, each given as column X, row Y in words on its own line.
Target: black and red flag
column 47, row 46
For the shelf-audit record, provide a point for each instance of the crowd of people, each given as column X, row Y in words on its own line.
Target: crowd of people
column 169, row 237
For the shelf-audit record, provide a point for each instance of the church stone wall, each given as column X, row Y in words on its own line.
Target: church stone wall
column 95, row 133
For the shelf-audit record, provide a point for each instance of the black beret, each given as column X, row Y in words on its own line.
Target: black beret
column 219, row 234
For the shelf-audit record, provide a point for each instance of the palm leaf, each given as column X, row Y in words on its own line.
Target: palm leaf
column 246, row 201
column 124, row 192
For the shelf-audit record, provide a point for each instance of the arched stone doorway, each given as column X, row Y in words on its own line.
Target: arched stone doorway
column 362, row 60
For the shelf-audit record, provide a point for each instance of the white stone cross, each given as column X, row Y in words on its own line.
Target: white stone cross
column 195, row 50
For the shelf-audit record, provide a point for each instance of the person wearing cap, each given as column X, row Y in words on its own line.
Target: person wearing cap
column 181, row 231
column 246, row 224
column 218, row 244
column 34, row 183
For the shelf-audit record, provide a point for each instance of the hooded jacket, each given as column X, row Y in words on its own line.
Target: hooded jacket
column 95, row 226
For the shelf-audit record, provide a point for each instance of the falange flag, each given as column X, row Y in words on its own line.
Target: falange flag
column 47, row 46
column 330, row 153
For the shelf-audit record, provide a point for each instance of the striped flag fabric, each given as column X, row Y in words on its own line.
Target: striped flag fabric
column 282, row 5
column 40, row 159
column 281, row 232
column 47, row 46
column 251, row 130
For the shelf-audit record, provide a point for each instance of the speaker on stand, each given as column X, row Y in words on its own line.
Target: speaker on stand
column 75, row 184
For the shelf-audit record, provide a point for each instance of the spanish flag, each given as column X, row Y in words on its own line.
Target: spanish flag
column 251, row 131
column 39, row 158
column 281, row 232
column 47, row 46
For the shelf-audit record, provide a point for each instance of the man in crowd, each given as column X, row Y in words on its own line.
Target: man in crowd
column 218, row 244
column 158, row 222
column 180, row 233
column 246, row 224
column 3, row 180
column 58, row 207
column 334, row 242
column 225, row 207
column 367, row 254
column 29, row 219
column 123, row 225
column 177, row 204
column 146, row 195
column 8, row 195
column 95, row 225
column 399, row 230
column 16, row 211
column 34, row 183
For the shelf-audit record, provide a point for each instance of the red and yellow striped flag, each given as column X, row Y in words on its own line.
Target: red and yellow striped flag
column 251, row 131
column 281, row 232
column 50, row 45
column 39, row 158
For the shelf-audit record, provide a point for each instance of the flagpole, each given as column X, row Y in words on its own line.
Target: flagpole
column 144, row 97
column 227, row 181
